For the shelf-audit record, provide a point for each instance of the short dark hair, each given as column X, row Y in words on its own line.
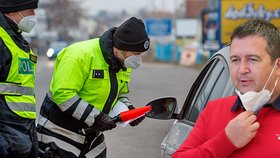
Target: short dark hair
column 263, row 29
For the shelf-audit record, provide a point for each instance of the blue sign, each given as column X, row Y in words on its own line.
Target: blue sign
column 158, row 27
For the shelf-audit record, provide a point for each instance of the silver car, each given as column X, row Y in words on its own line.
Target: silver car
column 213, row 82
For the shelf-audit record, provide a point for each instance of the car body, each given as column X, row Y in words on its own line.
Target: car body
column 213, row 82
column 55, row 48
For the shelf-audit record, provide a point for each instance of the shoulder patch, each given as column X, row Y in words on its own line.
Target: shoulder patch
column 97, row 74
column 33, row 58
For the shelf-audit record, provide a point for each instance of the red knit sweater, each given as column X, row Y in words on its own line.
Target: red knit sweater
column 208, row 138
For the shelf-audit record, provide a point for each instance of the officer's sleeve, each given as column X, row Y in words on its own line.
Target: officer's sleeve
column 123, row 97
column 70, row 73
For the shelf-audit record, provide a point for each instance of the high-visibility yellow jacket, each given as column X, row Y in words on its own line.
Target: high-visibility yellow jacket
column 82, row 86
column 18, row 89
column 85, row 74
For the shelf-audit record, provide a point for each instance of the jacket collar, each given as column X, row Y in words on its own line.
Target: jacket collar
column 12, row 29
column 106, row 44
column 9, row 25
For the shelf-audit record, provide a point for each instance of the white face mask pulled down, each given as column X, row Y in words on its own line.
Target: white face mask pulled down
column 27, row 23
column 254, row 101
column 133, row 61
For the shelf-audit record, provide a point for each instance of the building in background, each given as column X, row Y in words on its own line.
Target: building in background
column 233, row 13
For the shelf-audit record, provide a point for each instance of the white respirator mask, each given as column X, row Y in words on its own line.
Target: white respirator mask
column 133, row 61
column 27, row 23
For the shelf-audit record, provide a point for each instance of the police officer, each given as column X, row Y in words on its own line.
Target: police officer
column 89, row 78
column 17, row 70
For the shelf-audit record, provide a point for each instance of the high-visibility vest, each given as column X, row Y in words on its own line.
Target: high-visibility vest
column 102, row 86
column 18, row 89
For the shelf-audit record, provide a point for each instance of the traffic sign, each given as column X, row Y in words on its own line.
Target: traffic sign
column 158, row 27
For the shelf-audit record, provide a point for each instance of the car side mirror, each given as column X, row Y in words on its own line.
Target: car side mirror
column 162, row 108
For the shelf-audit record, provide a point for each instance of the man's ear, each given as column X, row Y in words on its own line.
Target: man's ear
column 277, row 68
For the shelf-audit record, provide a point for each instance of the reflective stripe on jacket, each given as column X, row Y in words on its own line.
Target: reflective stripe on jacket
column 18, row 89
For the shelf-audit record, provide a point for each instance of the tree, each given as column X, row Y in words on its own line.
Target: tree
column 63, row 16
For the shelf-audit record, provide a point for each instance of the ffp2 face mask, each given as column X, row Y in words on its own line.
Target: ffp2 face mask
column 27, row 23
column 133, row 61
column 254, row 100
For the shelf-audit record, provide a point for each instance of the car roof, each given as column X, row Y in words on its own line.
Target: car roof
column 225, row 52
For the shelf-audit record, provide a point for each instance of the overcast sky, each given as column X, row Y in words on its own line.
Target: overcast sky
column 129, row 5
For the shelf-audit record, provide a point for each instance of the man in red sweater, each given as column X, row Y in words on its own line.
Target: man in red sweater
column 246, row 125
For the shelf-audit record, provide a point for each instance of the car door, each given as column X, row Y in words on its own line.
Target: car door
column 213, row 82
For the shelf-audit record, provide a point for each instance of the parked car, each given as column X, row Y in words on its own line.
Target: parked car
column 213, row 82
column 55, row 48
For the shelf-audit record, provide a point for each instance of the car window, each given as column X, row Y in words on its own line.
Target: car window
column 212, row 86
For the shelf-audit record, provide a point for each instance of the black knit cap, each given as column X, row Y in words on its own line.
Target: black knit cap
column 131, row 36
column 8, row 6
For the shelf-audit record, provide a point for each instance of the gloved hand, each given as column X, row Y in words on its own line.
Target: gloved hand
column 138, row 120
column 103, row 122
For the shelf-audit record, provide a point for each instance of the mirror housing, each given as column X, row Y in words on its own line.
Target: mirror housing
column 162, row 108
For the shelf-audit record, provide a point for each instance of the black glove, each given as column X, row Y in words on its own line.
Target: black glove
column 138, row 120
column 103, row 122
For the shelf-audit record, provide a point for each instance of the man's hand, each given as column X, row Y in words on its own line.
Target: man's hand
column 103, row 122
column 242, row 129
column 138, row 120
